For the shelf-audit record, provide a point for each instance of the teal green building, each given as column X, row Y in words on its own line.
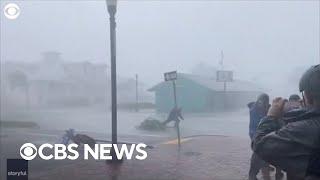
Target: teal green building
column 204, row 94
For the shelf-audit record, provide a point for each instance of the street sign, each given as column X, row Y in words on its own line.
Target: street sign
column 224, row 76
column 170, row 76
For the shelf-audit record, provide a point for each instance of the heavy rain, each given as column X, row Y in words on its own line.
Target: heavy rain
column 57, row 74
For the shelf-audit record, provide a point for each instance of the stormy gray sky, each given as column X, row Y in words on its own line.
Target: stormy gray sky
column 259, row 38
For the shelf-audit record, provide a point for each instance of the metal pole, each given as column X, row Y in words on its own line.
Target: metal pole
column 137, row 100
column 225, row 95
column 174, row 93
column 175, row 105
column 27, row 96
column 178, row 134
column 113, row 76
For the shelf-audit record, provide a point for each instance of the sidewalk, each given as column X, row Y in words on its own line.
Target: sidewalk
column 200, row 158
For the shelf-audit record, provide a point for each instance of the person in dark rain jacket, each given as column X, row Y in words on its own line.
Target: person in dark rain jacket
column 175, row 115
column 258, row 110
column 294, row 147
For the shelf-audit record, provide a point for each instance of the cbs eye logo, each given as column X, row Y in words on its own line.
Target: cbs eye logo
column 28, row 151
column 11, row 11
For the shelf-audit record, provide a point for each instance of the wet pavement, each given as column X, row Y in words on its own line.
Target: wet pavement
column 203, row 157
column 212, row 157
column 222, row 154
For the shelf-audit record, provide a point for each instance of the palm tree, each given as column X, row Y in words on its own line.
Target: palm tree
column 19, row 79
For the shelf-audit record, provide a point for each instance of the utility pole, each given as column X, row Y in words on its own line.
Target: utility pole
column 224, row 83
column 224, row 76
column 137, row 94
column 221, row 60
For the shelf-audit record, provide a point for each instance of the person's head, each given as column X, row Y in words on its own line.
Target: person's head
column 294, row 98
column 293, row 103
column 263, row 100
column 310, row 86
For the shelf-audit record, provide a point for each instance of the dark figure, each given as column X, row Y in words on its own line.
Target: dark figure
column 291, row 108
column 175, row 116
column 258, row 110
column 294, row 103
column 294, row 98
column 295, row 146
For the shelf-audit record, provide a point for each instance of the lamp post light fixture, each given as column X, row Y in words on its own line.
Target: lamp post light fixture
column 112, row 9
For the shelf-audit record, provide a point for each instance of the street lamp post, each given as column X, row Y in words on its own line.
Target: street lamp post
column 112, row 9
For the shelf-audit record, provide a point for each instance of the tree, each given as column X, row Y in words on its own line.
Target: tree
column 19, row 79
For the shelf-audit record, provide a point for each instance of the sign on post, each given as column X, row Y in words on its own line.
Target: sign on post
column 170, row 76
column 224, row 76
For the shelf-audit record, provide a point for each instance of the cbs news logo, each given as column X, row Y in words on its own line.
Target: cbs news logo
column 11, row 11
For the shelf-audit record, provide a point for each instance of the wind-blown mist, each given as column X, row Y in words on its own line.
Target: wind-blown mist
column 267, row 43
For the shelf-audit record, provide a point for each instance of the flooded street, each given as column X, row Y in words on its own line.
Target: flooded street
column 159, row 90
column 94, row 120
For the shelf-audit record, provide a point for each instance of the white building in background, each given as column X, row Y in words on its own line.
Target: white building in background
column 53, row 82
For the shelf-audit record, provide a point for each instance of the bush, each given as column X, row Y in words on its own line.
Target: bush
column 152, row 124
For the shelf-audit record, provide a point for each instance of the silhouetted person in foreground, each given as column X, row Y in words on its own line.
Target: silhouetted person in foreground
column 175, row 116
column 258, row 110
column 295, row 146
column 291, row 108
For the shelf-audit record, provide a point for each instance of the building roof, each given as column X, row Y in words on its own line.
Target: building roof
column 212, row 84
